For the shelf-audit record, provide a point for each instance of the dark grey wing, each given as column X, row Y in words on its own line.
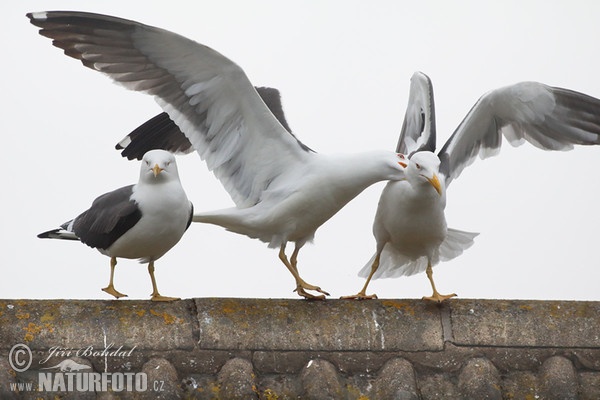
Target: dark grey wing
column 109, row 217
column 272, row 99
column 161, row 132
column 418, row 128
column 550, row 118
column 207, row 95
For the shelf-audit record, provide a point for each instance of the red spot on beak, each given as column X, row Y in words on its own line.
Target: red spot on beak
column 402, row 157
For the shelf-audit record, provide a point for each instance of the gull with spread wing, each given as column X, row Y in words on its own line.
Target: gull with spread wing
column 410, row 224
column 282, row 190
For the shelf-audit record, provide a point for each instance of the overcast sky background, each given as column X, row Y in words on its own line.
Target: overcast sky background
column 343, row 68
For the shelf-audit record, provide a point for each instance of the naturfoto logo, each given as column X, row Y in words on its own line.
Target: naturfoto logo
column 67, row 375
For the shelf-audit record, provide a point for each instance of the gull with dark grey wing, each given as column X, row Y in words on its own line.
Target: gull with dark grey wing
column 282, row 190
column 141, row 221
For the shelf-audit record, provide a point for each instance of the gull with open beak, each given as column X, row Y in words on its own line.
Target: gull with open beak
column 141, row 221
column 283, row 191
column 410, row 223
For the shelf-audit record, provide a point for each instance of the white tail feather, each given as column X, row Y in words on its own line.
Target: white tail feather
column 393, row 264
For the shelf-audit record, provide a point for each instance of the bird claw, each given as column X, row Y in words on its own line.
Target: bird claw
column 302, row 292
column 436, row 297
column 360, row 296
column 158, row 297
column 113, row 292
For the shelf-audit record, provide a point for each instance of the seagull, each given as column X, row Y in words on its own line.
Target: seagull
column 282, row 190
column 141, row 221
column 410, row 225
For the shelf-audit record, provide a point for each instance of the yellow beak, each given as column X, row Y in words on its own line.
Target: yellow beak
column 435, row 182
column 157, row 170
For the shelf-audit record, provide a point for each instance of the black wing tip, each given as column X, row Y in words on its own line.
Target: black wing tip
column 47, row 234
column 56, row 234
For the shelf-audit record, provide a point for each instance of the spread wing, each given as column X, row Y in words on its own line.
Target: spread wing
column 418, row 128
column 550, row 118
column 208, row 96
column 161, row 132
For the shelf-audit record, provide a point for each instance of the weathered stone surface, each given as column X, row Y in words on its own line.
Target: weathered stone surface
column 7, row 376
column 589, row 385
column 200, row 387
column 292, row 349
column 237, row 380
column 76, row 324
column 512, row 323
column 281, row 362
column 321, row 381
column 260, row 324
column 438, row 387
column 163, row 382
column 520, row 385
column 275, row 387
column 479, row 379
column 396, row 380
column 558, row 379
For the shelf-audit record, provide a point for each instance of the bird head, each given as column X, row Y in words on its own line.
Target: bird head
column 158, row 165
column 423, row 169
column 397, row 163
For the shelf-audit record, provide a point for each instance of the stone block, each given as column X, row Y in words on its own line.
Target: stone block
column 237, row 380
column 321, row 381
column 558, row 379
column 479, row 379
column 76, row 324
column 512, row 323
column 298, row 325
column 396, row 380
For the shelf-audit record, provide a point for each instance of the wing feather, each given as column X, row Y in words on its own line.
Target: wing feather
column 109, row 217
column 418, row 128
column 207, row 95
column 160, row 132
column 549, row 118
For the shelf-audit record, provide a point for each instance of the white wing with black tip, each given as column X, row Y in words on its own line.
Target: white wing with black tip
column 207, row 95
column 550, row 118
column 160, row 132
column 418, row 128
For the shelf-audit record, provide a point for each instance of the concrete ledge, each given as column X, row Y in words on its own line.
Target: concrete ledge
column 526, row 323
column 277, row 349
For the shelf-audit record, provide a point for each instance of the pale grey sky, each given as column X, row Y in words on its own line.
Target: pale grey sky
column 343, row 69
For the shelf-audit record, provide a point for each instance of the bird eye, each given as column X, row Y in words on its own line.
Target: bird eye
column 401, row 156
column 418, row 166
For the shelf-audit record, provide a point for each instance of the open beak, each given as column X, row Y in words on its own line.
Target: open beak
column 403, row 164
column 157, row 170
column 435, row 182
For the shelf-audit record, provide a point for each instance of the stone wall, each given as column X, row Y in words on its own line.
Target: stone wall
column 296, row 349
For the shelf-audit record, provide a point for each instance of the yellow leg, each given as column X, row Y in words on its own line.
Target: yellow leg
column 435, row 296
column 301, row 285
column 362, row 295
column 155, row 295
column 110, row 289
